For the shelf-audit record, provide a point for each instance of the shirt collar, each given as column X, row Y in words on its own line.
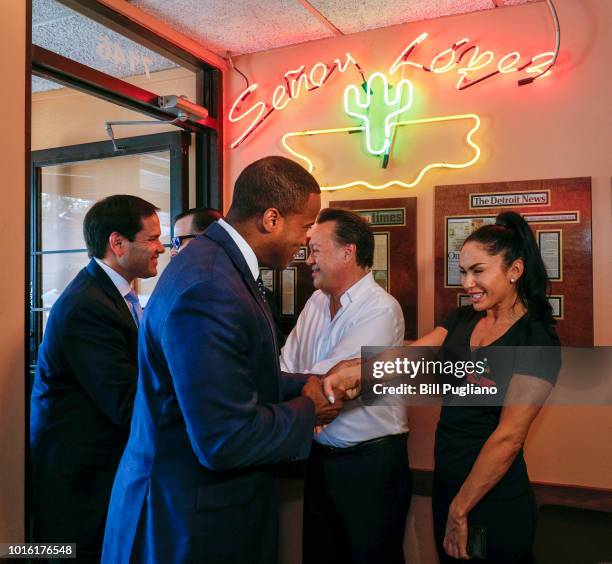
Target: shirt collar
column 357, row 289
column 245, row 248
column 119, row 281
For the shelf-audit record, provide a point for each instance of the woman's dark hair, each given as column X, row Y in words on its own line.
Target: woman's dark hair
column 512, row 236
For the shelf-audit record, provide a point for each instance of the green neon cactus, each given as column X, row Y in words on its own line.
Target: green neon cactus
column 377, row 107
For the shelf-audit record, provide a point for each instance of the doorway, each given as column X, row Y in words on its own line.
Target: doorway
column 67, row 181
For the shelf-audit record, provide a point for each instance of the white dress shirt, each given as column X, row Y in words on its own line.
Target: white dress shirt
column 245, row 248
column 119, row 281
column 368, row 316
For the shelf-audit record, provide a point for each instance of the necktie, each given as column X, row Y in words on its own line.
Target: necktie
column 132, row 298
column 261, row 288
column 270, row 315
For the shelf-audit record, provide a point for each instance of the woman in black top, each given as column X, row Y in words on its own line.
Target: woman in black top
column 480, row 478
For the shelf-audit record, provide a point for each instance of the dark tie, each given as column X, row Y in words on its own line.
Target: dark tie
column 136, row 310
column 261, row 288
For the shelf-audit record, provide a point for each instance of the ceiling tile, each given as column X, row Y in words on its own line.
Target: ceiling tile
column 239, row 26
column 359, row 15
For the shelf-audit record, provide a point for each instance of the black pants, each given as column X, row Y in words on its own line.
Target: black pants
column 356, row 503
column 510, row 523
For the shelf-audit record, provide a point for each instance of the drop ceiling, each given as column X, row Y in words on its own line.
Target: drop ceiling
column 237, row 26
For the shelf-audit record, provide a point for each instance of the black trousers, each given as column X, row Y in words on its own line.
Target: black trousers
column 510, row 523
column 356, row 503
column 69, row 505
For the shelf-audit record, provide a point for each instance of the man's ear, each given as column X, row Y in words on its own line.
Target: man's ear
column 350, row 252
column 117, row 244
column 271, row 220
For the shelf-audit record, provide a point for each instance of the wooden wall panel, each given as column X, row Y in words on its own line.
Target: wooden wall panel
column 566, row 196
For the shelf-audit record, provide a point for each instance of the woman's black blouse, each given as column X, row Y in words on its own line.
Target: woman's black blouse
column 463, row 430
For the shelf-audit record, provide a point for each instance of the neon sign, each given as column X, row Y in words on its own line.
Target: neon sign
column 395, row 107
column 471, row 65
column 294, row 81
column 538, row 64
column 377, row 141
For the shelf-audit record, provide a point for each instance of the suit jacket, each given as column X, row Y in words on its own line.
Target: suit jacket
column 196, row 482
column 80, row 410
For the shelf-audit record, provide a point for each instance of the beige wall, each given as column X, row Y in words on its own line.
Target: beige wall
column 69, row 117
column 557, row 127
column 13, row 150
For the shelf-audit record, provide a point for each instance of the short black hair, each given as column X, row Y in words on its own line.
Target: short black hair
column 120, row 213
column 351, row 229
column 271, row 182
column 202, row 218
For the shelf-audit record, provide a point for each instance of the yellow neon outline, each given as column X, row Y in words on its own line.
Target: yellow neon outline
column 423, row 171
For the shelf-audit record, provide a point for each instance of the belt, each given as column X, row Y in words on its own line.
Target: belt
column 325, row 450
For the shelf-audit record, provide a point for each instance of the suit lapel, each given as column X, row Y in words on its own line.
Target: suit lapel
column 111, row 291
column 222, row 237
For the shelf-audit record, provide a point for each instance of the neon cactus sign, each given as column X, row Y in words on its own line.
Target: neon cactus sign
column 376, row 100
column 465, row 58
column 377, row 111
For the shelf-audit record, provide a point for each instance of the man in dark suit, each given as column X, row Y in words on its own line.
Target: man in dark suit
column 213, row 412
column 83, row 393
column 193, row 222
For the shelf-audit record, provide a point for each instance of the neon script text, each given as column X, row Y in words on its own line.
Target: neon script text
column 467, row 59
column 295, row 82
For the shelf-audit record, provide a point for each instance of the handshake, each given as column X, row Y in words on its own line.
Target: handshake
column 329, row 391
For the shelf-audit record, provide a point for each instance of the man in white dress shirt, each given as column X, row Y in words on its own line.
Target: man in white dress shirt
column 358, row 481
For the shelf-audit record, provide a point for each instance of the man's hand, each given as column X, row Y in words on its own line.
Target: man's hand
column 325, row 412
column 343, row 380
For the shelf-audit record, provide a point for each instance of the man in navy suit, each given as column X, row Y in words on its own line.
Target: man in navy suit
column 83, row 393
column 213, row 413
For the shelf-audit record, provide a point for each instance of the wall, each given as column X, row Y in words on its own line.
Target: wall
column 14, row 146
column 69, row 117
column 557, row 127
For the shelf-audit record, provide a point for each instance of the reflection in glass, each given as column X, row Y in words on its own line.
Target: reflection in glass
column 58, row 270
column 74, row 36
column 68, row 191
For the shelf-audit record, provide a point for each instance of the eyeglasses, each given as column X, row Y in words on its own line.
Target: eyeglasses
column 177, row 241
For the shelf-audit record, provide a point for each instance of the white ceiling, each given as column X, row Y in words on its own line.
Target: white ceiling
column 237, row 26
column 248, row 26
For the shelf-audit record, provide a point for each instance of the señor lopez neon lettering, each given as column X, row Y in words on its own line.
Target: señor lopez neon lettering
column 453, row 57
column 295, row 82
column 465, row 58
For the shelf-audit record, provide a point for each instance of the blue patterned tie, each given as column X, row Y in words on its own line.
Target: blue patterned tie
column 262, row 289
column 136, row 310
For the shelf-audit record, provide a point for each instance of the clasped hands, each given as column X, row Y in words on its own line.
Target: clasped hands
column 328, row 393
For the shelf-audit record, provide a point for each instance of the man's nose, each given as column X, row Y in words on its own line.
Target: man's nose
column 309, row 260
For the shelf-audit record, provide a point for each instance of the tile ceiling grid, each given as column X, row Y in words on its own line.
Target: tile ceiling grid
column 248, row 26
column 238, row 26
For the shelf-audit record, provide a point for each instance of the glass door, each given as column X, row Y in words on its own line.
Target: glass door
column 68, row 180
